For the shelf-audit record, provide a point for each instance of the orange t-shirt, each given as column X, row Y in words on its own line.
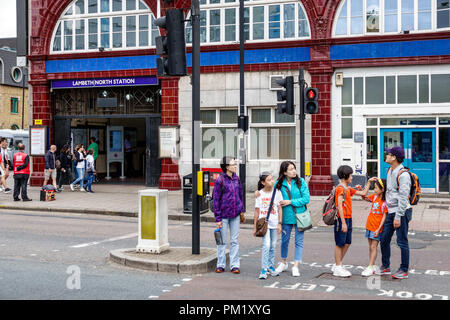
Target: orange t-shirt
column 347, row 204
column 378, row 209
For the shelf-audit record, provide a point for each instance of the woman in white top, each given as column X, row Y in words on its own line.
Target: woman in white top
column 79, row 155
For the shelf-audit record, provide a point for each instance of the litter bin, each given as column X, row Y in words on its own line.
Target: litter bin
column 187, row 197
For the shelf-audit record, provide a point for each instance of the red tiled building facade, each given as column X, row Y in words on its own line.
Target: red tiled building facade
column 326, row 48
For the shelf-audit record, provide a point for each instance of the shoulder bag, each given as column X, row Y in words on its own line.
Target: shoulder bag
column 303, row 219
column 263, row 223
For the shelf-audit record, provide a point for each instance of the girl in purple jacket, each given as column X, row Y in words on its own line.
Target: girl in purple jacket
column 228, row 207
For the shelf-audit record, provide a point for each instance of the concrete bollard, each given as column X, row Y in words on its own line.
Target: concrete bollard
column 153, row 221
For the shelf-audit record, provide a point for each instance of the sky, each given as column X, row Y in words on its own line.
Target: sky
column 8, row 19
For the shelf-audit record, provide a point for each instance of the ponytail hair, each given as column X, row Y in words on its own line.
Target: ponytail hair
column 262, row 178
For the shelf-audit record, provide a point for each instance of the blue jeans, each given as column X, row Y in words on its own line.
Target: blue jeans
column 286, row 230
column 234, row 225
column 90, row 179
column 80, row 173
column 402, row 240
column 268, row 248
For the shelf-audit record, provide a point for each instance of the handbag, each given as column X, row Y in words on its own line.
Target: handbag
column 303, row 219
column 263, row 223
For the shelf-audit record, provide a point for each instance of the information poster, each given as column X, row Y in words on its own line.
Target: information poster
column 169, row 142
column 38, row 141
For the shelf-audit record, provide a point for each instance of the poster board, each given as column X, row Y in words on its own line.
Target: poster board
column 38, row 140
column 169, row 142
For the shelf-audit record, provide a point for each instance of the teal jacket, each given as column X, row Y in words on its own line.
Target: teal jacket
column 299, row 199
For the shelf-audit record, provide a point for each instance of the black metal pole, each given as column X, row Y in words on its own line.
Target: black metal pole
column 242, row 117
column 301, row 85
column 195, row 16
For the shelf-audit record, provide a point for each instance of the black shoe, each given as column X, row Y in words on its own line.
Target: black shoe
column 16, row 199
column 91, row 191
column 27, row 199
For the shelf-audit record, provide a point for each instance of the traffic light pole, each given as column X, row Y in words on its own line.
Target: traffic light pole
column 195, row 16
column 242, row 118
column 301, row 84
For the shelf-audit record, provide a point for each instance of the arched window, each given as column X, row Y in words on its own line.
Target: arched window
column 264, row 20
column 367, row 17
column 90, row 25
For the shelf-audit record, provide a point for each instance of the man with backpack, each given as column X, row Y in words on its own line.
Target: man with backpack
column 399, row 212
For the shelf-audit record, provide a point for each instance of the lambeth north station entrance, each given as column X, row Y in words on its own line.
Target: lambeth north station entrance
column 122, row 114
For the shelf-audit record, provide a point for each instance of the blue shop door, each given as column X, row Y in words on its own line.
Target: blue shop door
column 419, row 147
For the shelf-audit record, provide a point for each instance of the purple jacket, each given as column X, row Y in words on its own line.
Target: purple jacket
column 229, row 204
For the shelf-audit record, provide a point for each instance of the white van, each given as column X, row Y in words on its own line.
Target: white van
column 14, row 137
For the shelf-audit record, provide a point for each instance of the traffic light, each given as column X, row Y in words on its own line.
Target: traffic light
column 172, row 47
column 311, row 103
column 286, row 97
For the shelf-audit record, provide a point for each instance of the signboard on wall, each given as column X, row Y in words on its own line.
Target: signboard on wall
column 38, row 140
column 104, row 82
column 169, row 142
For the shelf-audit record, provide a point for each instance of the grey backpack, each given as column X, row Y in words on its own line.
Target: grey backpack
column 329, row 210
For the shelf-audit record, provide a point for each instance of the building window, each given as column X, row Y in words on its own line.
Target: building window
column 14, row 105
column 347, row 109
column 279, row 20
column 272, row 136
column 391, row 16
column 444, row 154
column 87, row 25
column 219, row 133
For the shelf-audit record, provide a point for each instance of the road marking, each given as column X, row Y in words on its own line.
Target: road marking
column 153, row 297
column 84, row 245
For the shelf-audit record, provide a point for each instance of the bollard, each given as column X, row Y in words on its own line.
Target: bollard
column 153, row 221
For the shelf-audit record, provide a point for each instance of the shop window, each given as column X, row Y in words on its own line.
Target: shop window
column 424, row 89
column 407, row 89
column 219, row 140
column 208, row 116
column 374, row 90
column 228, row 116
column 444, row 159
column 358, row 97
column 390, row 90
column 439, row 88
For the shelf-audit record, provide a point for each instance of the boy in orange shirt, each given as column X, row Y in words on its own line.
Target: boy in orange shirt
column 343, row 225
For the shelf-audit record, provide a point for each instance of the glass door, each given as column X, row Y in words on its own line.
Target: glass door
column 422, row 156
column 390, row 138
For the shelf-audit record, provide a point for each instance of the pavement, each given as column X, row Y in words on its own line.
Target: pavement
column 431, row 214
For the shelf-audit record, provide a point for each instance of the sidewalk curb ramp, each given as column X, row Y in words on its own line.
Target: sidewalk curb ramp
column 175, row 260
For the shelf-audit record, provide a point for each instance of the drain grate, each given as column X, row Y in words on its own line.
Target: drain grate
column 329, row 276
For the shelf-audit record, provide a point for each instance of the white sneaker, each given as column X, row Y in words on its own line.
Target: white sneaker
column 376, row 270
column 339, row 271
column 295, row 272
column 333, row 267
column 71, row 187
column 281, row 267
column 82, row 190
column 367, row 272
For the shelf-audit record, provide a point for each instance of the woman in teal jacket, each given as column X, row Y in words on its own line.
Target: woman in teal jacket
column 289, row 180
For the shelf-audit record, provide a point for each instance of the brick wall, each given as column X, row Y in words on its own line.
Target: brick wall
column 7, row 119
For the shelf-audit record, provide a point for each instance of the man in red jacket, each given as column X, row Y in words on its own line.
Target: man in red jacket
column 21, row 173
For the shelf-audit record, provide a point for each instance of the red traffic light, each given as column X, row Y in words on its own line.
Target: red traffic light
column 311, row 94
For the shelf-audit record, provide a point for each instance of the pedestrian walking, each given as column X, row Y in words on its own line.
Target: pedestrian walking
column 90, row 168
column 228, row 212
column 6, row 164
column 343, row 225
column 399, row 213
column 262, row 203
column 2, row 176
column 94, row 146
column 50, row 167
column 65, row 168
column 374, row 224
column 21, row 173
column 80, row 167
